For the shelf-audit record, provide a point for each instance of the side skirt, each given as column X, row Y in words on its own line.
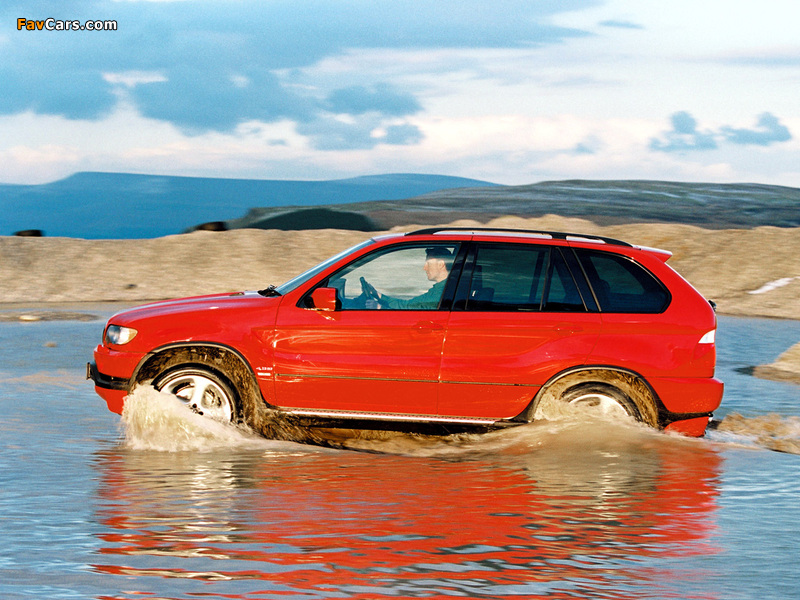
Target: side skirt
column 404, row 423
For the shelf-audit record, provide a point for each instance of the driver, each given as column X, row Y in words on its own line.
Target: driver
column 437, row 268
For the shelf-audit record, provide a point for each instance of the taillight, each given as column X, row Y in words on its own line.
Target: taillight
column 709, row 338
column 705, row 354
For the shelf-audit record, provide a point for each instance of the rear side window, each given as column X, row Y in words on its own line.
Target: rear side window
column 522, row 278
column 621, row 285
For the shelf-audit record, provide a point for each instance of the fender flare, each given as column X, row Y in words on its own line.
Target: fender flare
column 256, row 412
column 632, row 384
column 224, row 360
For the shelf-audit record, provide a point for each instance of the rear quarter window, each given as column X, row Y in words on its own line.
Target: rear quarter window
column 622, row 285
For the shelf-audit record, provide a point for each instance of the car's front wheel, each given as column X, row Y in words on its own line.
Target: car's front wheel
column 202, row 390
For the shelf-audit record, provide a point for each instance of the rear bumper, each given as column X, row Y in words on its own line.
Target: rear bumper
column 688, row 395
column 688, row 403
column 694, row 427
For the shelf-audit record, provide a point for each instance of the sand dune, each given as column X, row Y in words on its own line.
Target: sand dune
column 746, row 271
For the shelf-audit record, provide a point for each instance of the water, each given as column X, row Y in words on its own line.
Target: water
column 186, row 510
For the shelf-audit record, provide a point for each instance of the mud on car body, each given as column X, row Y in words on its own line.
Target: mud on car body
column 437, row 330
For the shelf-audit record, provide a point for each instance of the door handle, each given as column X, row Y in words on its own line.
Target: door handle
column 423, row 326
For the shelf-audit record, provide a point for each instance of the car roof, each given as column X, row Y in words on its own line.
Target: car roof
column 495, row 231
column 570, row 238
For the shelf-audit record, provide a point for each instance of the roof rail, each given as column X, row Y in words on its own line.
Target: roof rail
column 556, row 235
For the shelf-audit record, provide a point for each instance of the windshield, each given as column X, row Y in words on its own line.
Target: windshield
column 303, row 277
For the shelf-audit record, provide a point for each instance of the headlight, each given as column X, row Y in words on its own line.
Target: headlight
column 118, row 335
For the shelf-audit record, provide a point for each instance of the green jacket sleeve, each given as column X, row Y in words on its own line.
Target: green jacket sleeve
column 428, row 300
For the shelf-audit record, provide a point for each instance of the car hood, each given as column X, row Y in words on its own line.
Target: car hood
column 171, row 308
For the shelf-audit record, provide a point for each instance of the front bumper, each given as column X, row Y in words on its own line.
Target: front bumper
column 112, row 371
column 106, row 382
column 111, row 389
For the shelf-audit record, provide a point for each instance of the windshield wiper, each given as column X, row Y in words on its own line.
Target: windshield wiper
column 269, row 291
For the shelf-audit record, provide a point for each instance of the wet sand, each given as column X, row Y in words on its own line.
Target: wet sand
column 747, row 272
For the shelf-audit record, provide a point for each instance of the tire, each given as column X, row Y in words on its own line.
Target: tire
column 202, row 390
column 615, row 392
column 601, row 400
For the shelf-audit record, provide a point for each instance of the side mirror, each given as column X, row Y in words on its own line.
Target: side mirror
column 324, row 298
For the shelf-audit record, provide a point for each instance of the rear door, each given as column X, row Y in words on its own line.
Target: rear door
column 519, row 318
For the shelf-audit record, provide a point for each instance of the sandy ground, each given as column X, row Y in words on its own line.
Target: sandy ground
column 753, row 272
column 785, row 368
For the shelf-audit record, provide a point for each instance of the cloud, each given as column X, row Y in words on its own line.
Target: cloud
column 225, row 63
column 381, row 98
column 55, row 92
column 41, row 164
column 131, row 79
column 621, row 24
column 684, row 136
column 771, row 58
column 219, row 100
column 768, row 130
column 401, row 135
column 331, row 132
column 589, row 146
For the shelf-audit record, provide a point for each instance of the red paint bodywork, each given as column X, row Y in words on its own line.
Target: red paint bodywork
column 435, row 363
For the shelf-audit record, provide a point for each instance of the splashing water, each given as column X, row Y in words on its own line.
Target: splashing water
column 153, row 420
column 772, row 431
column 571, row 427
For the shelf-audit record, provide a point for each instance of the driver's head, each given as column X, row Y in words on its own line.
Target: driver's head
column 437, row 263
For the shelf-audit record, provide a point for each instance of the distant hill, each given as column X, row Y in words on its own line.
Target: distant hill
column 709, row 205
column 128, row 206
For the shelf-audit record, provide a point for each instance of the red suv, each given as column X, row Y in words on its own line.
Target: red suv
column 439, row 330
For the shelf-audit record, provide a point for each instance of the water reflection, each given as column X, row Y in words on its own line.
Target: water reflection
column 560, row 511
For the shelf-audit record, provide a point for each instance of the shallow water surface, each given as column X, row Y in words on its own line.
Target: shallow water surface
column 186, row 509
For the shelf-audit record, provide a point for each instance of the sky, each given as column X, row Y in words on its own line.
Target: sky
column 510, row 91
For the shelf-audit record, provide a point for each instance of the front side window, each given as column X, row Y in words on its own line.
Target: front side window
column 621, row 285
column 522, row 278
column 299, row 280
column 405, row 278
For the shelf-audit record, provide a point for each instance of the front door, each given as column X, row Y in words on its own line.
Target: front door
column 380, row 351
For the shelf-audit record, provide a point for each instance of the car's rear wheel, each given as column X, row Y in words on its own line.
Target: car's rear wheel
column 202, row 390
column 600, row 400
column 608, row 393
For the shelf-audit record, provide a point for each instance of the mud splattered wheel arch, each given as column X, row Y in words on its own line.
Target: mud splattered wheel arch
column 602, row 385
column 222, row 361
column 252, row 408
